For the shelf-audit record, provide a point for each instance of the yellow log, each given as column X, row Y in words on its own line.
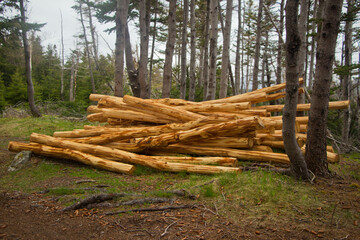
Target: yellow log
column 72, row 155
column 305, row 107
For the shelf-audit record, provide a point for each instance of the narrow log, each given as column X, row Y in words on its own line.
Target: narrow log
column 305, row 107
column 72, row 155
column 280, row 144
column 228, row 152
column 130, row 157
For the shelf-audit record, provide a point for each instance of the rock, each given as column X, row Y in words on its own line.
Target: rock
column 20, row 160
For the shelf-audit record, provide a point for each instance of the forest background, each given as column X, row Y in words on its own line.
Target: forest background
column 245, row 37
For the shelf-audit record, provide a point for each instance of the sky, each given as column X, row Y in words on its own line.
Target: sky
column 48, row 11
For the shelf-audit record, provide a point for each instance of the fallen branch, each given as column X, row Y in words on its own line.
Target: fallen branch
column 167, row 228
column 152, row 209
column 144, row 200
column 93, row 199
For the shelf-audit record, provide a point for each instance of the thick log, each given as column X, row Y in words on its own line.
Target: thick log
column 96, row 117
column 305, row 107
column 300, row 120
column 228, row 152
column 98, row 97
column 261, row 148
column 221, row 107
column 331, row 156
column 85, row 158
column 224, row 142
column 130, row 157
column 132, row 115
column 280, row 144
column 246, row 97
column 161, row 108
column 231, row 128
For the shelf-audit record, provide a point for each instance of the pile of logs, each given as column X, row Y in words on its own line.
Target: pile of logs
column 156, row 132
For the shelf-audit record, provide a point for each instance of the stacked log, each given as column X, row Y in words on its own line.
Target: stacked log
column 153, row 132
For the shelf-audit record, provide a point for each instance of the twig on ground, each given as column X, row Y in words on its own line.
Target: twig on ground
column 145, row 200
column 207, row 209
column 85, row 181
column 167, row 228
column 152, row 209
column 182, row 193
column 204, row 184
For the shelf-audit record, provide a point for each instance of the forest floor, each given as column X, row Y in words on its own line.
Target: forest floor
column 250, row 205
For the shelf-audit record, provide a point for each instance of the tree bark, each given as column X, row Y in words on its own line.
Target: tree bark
column 257, row 46
column 144, row 8
column 92, row 80
column 193, row 51
column 316, row 136
column 121, row 22
column 214, row 9
column 27, row 53
column 298, row 166
column 225, row 53
column 169, row 52
column 183, row 51
column 153, row 44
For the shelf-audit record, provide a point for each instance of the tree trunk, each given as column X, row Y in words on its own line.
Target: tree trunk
column 214, row 8
column 93, row 38
column 169, row 52
column 312, row 53
column 153, row 45
column 293, row 42
column 346, row 83
column 193, row 51
column 280, row 44
column 62, row 60
column 183, row 51
column 237, row 55
column 144, row 8
column 316, row 136
column 130, row 67
column 121, row 21
column 225, row 53
column 74, row 68
column 87, row 49
column 257, row 47
column 205, row 76
column 303, row 48
column 27, row 53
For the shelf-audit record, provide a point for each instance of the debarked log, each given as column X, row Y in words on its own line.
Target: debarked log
column 129, row 157
column 305, row 107
column 85, row 158
column 228, row 152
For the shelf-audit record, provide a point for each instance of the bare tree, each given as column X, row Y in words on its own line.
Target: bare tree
column 73, row 74
column 280, row 44
column 121, row 19
column 312, row 51
column 225, row 54
column 257, row 46
column 27, row 53
column 293, row 42
column 87, row 49
column 93, row 33
column 205, row 75
column 144, row 9
column 153, row 44
column 346, row 82
column 130, row 66
column 315, row 154
column 303, row 48
column 169, row 52
column 183, row 51
column 62, row 59
column 192, row 52
column 214, row 8
column 237, row 55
